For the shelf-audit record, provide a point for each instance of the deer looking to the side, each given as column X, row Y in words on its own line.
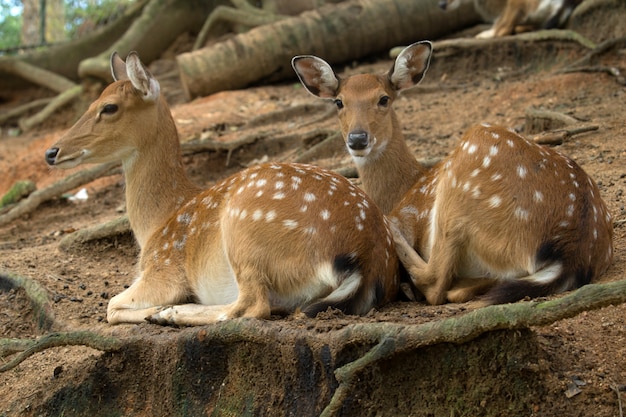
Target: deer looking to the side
column 500, row 217
column 274, row 237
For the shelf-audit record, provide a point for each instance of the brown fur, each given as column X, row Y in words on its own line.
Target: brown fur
column 272, row 237
column 516, row 218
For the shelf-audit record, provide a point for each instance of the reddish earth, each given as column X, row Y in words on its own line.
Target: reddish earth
column 498, row 86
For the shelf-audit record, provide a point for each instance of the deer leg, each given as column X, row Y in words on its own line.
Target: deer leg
column 466, row 289
column 251, row 302
column 434, row 278
column 141, row 300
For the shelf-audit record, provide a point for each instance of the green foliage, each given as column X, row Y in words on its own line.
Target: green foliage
column 85, row 14
column 81, row 13
column 10, row 27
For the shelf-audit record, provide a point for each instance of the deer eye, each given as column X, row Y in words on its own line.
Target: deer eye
column 384, row 101
column 339, row 103
column 109, row 109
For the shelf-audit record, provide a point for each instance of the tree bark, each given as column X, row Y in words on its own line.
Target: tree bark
column 160, row 23
column 337, row 33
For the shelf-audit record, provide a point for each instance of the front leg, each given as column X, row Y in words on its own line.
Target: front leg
column 433, row 278
column 252, row 301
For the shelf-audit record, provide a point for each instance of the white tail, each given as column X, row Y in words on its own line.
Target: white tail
column 513, row 16
column 499, row 214
column 272, row 237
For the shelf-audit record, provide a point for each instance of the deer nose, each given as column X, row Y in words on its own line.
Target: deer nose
column 51, row 155
column 443, row 4
column 358, row 140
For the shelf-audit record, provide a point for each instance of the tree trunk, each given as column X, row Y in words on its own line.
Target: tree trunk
column 31, row 22
column 337, row 33
column 160, row 23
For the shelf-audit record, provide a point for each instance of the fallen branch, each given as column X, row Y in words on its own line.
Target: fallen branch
column 557, row 137
column 66, row 184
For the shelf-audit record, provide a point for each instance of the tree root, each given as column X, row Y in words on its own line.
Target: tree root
column 78, row 338
column 465, row 328
column 36, row 74
column 24, row 108
column 115, row 227
column 585, row 64
column 535, row 36
column 387, row 339
column 59, row 101
column 243, row 13
column 38, row 296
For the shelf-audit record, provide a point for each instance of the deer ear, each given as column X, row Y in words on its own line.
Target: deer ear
column 141, row 78
column 316, row 75
column 410, row 66
column 118, row 67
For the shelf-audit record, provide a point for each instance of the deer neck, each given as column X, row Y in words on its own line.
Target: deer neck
column 156, row 182
column 389, row 171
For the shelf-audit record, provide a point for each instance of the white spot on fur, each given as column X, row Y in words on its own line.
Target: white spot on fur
column 522, row 171
column 184, row 218
column 570, row 210
column 475, row 173
column 290, row 224
column 309, row 197
column 538, row 196
column 270, row 215
column 496, row 177
column 257, row 215
column 521, row 213
column 495, row 201
column 572, row 196
column 325, row 214
column 493, row 150
column 486, row 161
column 471, row 149
column 278, row 196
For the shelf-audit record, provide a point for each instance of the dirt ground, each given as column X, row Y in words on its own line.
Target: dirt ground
column 586, row 354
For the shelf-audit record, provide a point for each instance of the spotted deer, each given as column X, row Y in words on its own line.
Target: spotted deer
column 274, row 237
column 501, row 217
column 513, row 16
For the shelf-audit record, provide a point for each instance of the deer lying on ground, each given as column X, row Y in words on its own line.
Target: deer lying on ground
column 513, row 16
column 272, row 237
column 500, row 214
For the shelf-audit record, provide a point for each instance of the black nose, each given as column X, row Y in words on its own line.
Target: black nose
column 443, row 4
column 358, row 140
column 51, row 155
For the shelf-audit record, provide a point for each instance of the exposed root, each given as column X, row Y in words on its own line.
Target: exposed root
column 79, row 338
column 38, row 296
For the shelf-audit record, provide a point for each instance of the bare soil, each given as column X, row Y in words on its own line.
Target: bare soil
column 581, row 361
